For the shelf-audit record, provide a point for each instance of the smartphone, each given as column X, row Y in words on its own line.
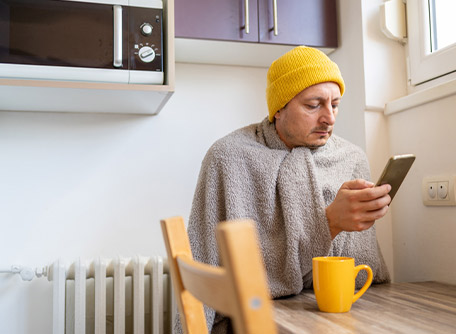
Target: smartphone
column 395, row 171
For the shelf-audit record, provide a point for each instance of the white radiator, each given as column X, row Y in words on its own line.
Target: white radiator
column 112, row 296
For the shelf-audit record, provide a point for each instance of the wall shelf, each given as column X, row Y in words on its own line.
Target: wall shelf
column 200, row 51
column 98, row 97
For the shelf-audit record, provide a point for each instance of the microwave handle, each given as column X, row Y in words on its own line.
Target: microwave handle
column 117, row 12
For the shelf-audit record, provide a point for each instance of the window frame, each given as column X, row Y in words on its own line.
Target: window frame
column 424, row 65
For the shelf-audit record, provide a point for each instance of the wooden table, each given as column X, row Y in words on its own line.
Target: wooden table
column 426, row 307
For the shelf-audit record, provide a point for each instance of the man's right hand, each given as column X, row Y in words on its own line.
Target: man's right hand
column 357, row 205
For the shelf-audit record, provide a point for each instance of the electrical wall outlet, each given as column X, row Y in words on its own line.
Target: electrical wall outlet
column 439, row 190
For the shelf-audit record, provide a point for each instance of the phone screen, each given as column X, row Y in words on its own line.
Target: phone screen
column 395, row 171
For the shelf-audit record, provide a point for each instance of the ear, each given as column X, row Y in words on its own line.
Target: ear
column 277, row 114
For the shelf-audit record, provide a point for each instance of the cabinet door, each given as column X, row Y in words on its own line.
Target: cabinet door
column 299, row 22
column 216, row 19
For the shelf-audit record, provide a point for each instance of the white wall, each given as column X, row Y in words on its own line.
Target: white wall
column 89, row 185
column 424, row 237
column 349, row 57
column 384, row 80
column 378, row 151
column 417, row 241
column 384, row 60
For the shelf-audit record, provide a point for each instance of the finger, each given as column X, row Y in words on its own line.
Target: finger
column 376, row 204
column 376, row 214
column 373, row 193
column 357, row 184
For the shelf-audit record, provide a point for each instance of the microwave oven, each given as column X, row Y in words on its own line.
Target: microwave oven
column 119, row 41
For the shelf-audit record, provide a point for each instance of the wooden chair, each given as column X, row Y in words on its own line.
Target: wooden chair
column 238, row 289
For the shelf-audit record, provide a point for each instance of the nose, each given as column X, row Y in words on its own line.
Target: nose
column 327, row 115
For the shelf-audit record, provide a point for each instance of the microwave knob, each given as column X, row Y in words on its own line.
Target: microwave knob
column 146, row 54
column 146, row 29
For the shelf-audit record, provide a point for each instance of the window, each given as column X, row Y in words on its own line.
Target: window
column 432, row 39
column 442, row 24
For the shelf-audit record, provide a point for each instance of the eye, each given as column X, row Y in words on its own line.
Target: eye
column 312, row 106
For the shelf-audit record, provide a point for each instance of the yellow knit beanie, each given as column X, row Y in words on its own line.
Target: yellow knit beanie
column 296, row 70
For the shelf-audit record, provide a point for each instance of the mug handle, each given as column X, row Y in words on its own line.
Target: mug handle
column 368, row 281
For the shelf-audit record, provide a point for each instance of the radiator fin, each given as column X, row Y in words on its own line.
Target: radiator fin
column 114, row 296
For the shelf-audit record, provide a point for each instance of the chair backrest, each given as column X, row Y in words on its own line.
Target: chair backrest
column 238, row 289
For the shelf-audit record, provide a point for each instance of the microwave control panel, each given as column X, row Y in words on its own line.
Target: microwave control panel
column 145, row 39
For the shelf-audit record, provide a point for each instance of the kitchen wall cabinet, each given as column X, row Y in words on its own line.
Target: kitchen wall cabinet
column 295, row 22
column 100, row 97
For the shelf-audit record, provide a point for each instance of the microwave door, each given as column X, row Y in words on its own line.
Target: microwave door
column 117, row 38
column 63, row 40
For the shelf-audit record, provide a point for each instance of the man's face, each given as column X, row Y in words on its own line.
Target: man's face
column 308, row 119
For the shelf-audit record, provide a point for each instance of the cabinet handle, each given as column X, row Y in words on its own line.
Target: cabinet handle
column 247, row 22
column 117, row 61
column 274, row 10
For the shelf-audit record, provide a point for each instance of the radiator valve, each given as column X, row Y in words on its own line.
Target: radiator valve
column 26, row 273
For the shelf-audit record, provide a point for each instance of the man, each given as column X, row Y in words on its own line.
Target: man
column 307, row 189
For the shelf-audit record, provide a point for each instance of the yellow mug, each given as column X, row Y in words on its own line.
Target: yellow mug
column 334, row 282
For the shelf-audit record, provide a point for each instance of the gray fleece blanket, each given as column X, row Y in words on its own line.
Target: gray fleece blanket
column 252, row 174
